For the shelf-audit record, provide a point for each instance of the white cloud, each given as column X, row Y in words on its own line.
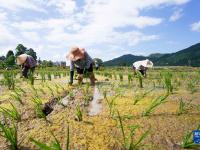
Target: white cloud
column 176, row 15
column 20, row 4
column 30, row 36
column 65, row 7
column 195, row 26
column 94, row 25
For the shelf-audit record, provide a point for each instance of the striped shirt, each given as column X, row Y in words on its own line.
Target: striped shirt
column 81, row 63
column 30, row 62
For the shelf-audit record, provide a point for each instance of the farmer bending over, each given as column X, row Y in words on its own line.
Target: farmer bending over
column 28, row 64
column 83, row 63
column 142, row 66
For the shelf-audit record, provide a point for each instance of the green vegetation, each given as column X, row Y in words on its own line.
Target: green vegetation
column 55, row 145
column 9, row 132
column 11, row 112
column 188, row 140
column 78, row 113
column 38, row 108
column 9, row 79
column 158, row 101
column 128, row 142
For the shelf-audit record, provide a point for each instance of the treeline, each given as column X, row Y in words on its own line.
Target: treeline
column 9, row 60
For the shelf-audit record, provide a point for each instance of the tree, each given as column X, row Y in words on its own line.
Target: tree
column 10, row 59
column 46, row 63
column 10, row 53
column 2, row 58
column 98, row 61
column 20, row 49
column 32, row 53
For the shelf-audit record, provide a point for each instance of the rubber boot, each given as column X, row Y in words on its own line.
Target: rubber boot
column 92, row 79
column 80, row 79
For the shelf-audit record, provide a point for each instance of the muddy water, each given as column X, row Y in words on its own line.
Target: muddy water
column 95, row 106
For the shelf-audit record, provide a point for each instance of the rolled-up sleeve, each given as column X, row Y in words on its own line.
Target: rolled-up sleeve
column 71, row 66
column 89, row 60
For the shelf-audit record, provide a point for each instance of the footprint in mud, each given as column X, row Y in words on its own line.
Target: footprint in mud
column 170, row 144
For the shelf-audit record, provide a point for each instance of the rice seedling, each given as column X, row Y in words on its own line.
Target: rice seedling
column 158, row 101
column 57, row 89
column 20, row 90
column 168, row 82
column 121, row 77
column 78, row 113
column 49, row 76
column 115, row 76
column 31, row 78
column 128, row 142
column 9, row 132
column 43, row 76
column 140, row 97
column 182, row 107
column 16, row 96
column 130, row 78
column 87, row 95
column 12, row 112
column 35, row 91
column 51, row 90
column 188, row 140
column 191, row 87
column 111, row 104
column 9, row 80
column 64, row 74
column 55, row 145
column 140, row 78
column 71, row 95
column 38, row 108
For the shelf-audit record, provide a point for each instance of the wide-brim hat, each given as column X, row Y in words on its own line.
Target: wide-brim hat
column 76, row 53
column 21, row 59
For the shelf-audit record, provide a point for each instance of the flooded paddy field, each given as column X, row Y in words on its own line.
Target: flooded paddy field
column 122, row 111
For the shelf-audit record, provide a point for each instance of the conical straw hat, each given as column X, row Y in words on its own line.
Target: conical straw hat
column 76, row 53
column 21, row 59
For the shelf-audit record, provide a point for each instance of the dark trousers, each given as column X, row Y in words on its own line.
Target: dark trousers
column 25, row 71
column 81, row 71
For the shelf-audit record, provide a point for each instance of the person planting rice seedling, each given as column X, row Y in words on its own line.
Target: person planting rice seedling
column 142, row 66
column 28, row 64
column 83, row 63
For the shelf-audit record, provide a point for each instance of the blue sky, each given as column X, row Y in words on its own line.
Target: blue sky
column 106, row 28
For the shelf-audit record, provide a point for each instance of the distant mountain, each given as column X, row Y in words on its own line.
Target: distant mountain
column 186, row 57
column 156, row 55
column 125, row 60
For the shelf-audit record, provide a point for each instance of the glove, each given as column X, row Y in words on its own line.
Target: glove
column 71, row 77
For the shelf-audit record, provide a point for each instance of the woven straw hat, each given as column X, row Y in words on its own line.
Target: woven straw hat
column 76, row 53
column 21, row 59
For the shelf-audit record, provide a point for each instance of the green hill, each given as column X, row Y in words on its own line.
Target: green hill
column 125, row 60
column 186, row 57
